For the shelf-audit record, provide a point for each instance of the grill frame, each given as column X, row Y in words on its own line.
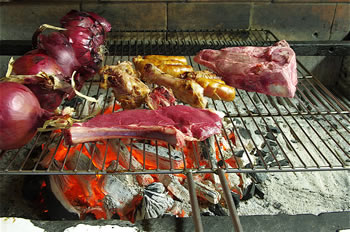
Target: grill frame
column 310, row 92
column 189, row 43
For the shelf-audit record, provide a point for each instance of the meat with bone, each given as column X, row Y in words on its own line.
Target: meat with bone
column 128, row 89
column 187, row 91
column 269, row 70
column 173, row 124
column 160, row 97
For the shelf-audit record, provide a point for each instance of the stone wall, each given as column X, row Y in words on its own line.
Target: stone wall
column 308, row 20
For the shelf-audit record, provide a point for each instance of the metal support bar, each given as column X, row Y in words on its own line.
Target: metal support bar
column 231, row 206
column 301, row 48
column 194, row 203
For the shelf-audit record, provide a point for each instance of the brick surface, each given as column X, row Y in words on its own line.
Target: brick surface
column 311, row 1
column 137, row 16
column 295, row 21
column 191, row 16
column 19, row 21
column 341, row 23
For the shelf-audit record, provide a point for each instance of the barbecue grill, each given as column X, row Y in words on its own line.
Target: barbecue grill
column 310, row 132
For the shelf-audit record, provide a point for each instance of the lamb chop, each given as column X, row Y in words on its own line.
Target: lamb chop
column 173, row 124
column 269, row 70
column 128, row 89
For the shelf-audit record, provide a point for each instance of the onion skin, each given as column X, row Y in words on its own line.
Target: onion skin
column 33, row 63
column 20, row 115
column 58, row 47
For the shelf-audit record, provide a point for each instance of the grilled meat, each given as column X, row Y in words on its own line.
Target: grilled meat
column 187, row 91
column 128, row 89
column 160, row 97
column 269, row 70
column 174, row 65
column 173, row 124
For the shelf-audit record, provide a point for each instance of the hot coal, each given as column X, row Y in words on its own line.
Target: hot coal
column 270, row 136
column 217, row 210
column 239, row 153
column 283, row 162
column 258, row 192
column 155, row 202
column 249, row 192
column 244, row 133
column 273, row 129
column 236, row 198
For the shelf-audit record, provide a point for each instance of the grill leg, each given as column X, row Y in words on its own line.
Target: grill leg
column 194, row 203
column 231, row 206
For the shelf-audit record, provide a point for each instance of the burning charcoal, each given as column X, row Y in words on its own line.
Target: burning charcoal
column 259, row 153
column 163, row 156
column 236, row 198
column 257, row 132
column 207, row 149
column 208, row 193
column 270, row 136
column 244, row 133
column 155, row 202
column 217, row 210
column 261, row 177
column 283, row 162
column 269, row 158
column 181, row 209
column 220, row 163
column 175, row 187
column 277, row 205
column 208, row 213
column 272, row 143
column 249, row 192
column 258, row 192
column 124, row 160
column 239, row 153
column 273, row 129
column 122, row 194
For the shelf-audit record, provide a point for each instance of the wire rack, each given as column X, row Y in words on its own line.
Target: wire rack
column 310, row 132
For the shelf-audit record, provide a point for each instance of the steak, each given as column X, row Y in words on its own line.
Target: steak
column 173, row 124
column 269, row 70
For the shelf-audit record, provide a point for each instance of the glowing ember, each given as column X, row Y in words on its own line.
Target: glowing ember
column 106, row 195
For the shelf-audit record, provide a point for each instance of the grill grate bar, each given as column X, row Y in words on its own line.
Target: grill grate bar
column 297, row 118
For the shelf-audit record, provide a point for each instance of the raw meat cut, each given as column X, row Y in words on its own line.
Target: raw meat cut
column 269, row 70
column 173, row 124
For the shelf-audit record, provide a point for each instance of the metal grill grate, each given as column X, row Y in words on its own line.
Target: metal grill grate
column 310, row 132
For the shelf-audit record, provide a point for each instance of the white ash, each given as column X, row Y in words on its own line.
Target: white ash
column 155, row 202
column 305, row 137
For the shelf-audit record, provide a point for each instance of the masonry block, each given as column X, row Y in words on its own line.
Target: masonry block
column 195, row 16
column 295, row 21
column 132, row 16
column 341, row 23
column 18, row 21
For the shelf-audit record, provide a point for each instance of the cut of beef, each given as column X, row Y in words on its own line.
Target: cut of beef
column 269, row 70
column 173, row 124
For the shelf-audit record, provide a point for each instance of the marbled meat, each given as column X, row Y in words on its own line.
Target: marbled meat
column 269, row 70
column 173, row 124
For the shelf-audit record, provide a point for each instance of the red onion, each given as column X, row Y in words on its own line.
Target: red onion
column 33, row 63
column 86, row 32
column 58, row 47
column 20, row 115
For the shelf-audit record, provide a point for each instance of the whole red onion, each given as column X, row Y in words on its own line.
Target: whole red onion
column 20, row 115
column 57, row 46
column 35, row 62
